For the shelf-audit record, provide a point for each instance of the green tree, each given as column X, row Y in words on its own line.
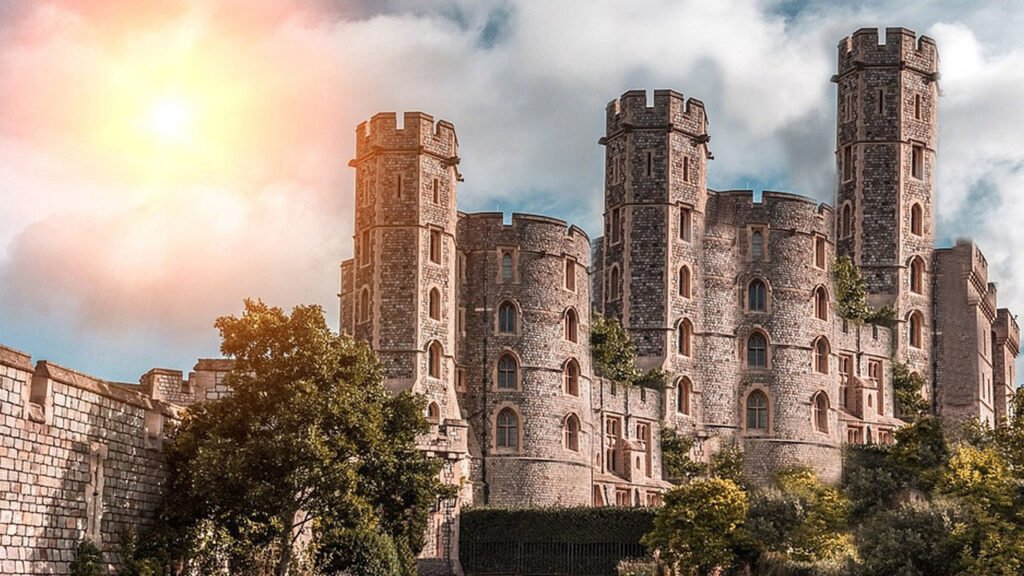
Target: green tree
column 675, row 455
column 309, row 443
column 906, row 386
column 913, row 540
column 88, row 560
column 696, row 529
column 800, row 520
column 851, row 290
column 613, row 352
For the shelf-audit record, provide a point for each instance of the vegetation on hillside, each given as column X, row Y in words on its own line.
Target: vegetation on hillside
column 935, row 503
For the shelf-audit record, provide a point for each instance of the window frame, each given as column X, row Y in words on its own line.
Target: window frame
column 507, row 366
column 761, row 412
column 505, row 308
column 507, row 432
column 751, row 354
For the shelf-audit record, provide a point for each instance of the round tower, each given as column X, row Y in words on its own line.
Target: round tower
column 526, row 356
column 886, row 133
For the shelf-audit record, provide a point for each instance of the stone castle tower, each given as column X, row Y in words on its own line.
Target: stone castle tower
column 730, row 294
column 885, row 161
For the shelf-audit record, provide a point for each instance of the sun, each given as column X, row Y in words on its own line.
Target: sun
column 169, row 118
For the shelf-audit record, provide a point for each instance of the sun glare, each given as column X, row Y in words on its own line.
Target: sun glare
column 169, row 119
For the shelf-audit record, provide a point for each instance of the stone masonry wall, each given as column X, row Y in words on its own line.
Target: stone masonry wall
column 79, row 458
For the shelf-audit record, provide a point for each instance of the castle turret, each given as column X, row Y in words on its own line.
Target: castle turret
column 885, row 158
column 655, row 195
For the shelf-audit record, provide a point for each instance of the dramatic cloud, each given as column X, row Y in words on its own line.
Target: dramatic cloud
column 161, row 161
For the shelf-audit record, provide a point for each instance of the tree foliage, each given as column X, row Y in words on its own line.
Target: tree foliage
column 852, row 296
column 308, row 447
column 697, row 528
column 906, row 386
column 88, row 560
column 614, row 356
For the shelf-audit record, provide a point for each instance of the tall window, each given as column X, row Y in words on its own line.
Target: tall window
column 845, row 378
column 916, row 220
column 820, row 303
column 684, row 282
column 613, row 284
column 506, row 267
column 570, row 275
column 917, row 106
column 757, row 411
column 757, row 295
column 364, row 305
column 846, row 229
column 507, row 430
column 684, row 338
column 847, row 163
column 616, row 226
column 435, row 304
column 508, row 372
column 507, row 318
column 917, row 162
column 686, row 169
column 820, row 406
column 434, row 360
column 917, row 275
column 683, row 396
column 757, row 245
column 572, row 433
column 436, row 192
column 821, row 354
column 875, row 375
column 398, row 186
column 433, row 412
column 819, row 252
column 435, row 246
column 364, row 254
column 685, row 224
column 757, row 350
column 571, row 375
column 916, row 328
column 571, row 325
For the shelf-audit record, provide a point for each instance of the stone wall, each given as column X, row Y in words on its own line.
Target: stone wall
column 79, row 459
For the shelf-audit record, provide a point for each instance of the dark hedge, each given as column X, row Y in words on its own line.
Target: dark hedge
column 578, row 541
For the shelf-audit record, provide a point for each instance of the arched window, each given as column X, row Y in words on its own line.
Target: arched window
column 917, row 275
column 820, row 303
column 571, row 375
column 757, row 411
column 757, row 296
column 847, row 222
column 506, row 267
column 683, row 396
column 572, row 433
column 821, row 354
column 757, row 350
column 507, row 429
column 434, row 412
column 364, row 305
column 916, row 220
column 508, row 372
column 613, row 284
column 507, row 318
column 684, row 338
column 820, row 405
column 757, row 245
column 434, row 359
column 571, row 325
column 916, row 327
column 435, row 304
column 684, row 282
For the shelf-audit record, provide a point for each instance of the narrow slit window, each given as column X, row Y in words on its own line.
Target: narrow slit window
column 435, row 246
column 685, row 224
column 686, row 168
column 436, row 196
column 847, row 163
column 917, row 162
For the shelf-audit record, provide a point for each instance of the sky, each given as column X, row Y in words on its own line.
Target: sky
column 162, row 161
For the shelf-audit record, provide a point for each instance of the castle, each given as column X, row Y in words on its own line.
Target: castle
column 730, row 294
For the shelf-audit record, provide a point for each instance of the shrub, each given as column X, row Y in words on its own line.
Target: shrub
column 88, row 560
column 637, row 567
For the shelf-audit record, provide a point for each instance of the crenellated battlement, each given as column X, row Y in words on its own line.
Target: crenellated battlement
column 419, row 132
column 532, row 231
column 670, row 110
column 902, row 47
column 1006, row 329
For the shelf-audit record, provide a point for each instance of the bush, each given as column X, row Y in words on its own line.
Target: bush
column 88, row 560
